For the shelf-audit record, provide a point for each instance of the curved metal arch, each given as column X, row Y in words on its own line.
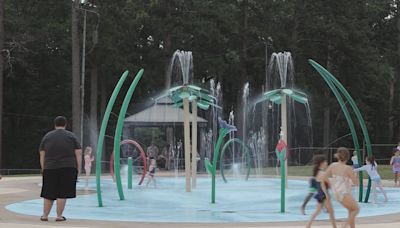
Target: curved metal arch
column 142, row 156
column 247, row 153
column 102, row 133
column 348, row 119
column 324, row 72
column 118, row 133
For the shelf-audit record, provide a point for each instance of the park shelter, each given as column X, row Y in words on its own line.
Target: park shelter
column 163, row 114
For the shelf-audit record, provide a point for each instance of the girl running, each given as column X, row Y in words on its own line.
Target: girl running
column 321, row 195
column 311, row 191
column 395, row 163
column 372, row 169
column 343, row 177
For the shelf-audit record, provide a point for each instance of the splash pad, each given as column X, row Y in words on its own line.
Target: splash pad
column 253, row 200
column 239, row 201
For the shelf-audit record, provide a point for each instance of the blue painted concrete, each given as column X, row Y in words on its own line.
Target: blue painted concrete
column 256, row 200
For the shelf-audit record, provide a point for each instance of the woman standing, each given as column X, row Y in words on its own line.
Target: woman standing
column 343, row 177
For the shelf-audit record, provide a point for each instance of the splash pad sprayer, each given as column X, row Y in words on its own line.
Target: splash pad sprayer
column 282, row 154
column 199, row 98
column 339, row 91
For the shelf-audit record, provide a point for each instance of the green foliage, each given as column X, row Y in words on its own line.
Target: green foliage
column 147, row 135
column 228, row 39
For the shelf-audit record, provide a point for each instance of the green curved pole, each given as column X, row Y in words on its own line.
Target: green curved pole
column 103, row 132
column 348, row 119
column 118, row 133
column 213, row 168
column 358, row 115
column 247, row 153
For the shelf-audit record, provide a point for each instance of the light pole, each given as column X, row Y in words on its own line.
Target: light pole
column 85, row 6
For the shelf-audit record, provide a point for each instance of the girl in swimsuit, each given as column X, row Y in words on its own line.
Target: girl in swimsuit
column 152, row 172
column 88, row 163
column 395, row 163
column 343, row 177
column 321, row 195
column 372, row 169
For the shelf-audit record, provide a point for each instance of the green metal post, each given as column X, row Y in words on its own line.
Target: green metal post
column 118, row 133
column 283, row 180
column 102, row 134
column 222, row 133
column 130, row 173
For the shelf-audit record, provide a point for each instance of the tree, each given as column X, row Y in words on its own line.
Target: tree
column 1, row 75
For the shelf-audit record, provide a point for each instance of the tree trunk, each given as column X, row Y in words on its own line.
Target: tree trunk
column 390, row 109
column 327, row 111
column 1, row 75
column 93, row 104
column 76, row 107
column 103, row 103
column 243, row 59
column 398, row 50
column 167, row 45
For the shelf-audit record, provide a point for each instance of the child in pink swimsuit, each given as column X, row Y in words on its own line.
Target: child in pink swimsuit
column 88, row 163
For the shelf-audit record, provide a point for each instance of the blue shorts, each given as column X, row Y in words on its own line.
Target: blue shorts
column 356, row 166
column 376, row 180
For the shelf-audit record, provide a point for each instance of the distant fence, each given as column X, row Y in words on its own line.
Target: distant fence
column 300, row 156
column 8, row 172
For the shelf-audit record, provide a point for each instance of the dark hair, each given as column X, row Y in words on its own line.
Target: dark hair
column 60, row 121
column 318, row 160
column 371, row 160
column 342, row 154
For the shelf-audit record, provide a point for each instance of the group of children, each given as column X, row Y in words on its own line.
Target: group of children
column 339, row 177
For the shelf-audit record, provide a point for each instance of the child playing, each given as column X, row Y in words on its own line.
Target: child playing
column 354, row 159
column 152, row 172
column 395, row 163
column 372, row 169
column 88, row 158
column 322, row 196
column 311, row 191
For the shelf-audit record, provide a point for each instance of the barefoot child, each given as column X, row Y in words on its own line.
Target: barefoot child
column 88, row 158
column 322, row 195
column 395, row 163
column 372, row 169
column 152, row 172
column 354, row 159
column 311, row 192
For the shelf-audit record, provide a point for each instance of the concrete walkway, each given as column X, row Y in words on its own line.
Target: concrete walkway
column 14, row 189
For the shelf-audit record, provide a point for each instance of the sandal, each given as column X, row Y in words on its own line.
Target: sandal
column 62, row 219
column 43, row 219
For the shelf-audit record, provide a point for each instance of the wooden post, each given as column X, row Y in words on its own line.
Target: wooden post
column 186, row 126
column 194, row 143
column 284, row 129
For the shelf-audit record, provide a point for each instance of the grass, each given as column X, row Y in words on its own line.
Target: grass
column 384, row 170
